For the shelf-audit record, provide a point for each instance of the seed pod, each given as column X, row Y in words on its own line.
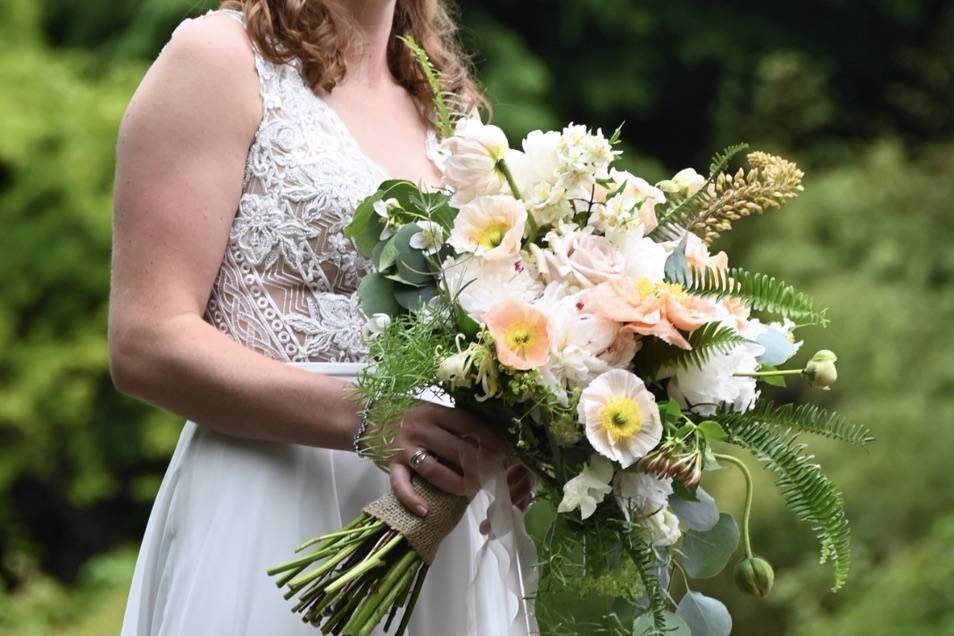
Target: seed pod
column 755, row 576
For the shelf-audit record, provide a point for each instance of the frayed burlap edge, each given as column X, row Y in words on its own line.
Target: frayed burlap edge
column 424, row 534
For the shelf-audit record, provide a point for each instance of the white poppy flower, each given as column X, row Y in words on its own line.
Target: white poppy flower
column 490, row 227
column 472, row 156
column 621, row 417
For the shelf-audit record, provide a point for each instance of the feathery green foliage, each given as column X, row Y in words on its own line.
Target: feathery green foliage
column 710, row 339
column 443, row 115
column 647, row 565
column 392, row 386
column 760, row 291
column 806, row 490
column 809, row 418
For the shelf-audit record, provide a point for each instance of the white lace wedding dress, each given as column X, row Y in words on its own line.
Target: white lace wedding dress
column 229, row 508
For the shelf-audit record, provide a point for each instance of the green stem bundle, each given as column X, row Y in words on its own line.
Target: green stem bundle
column 364, row 571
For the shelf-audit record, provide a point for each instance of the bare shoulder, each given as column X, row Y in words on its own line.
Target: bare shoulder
column 205, row 74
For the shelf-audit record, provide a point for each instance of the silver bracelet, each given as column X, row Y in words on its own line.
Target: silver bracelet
column 360, row 432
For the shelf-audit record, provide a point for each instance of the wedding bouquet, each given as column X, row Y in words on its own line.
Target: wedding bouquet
column 579, row 308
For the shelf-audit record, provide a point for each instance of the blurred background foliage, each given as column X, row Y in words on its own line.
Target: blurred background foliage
column 861, row 93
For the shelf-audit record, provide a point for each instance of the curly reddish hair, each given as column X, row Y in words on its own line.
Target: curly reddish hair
column 320, row 34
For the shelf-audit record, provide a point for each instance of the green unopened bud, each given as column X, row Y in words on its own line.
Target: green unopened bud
column 821, row 369
column 755, row 576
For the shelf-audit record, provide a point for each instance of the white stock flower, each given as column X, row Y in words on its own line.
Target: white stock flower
column 490, row 227
column 633, row 204
column 589, row 488
column 479, row 284
column 430, row 238
column 536, row 171
column 472, row 152
column 621, row 417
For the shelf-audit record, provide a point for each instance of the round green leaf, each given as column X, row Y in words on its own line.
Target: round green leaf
column 675, row 626
column 413, row 297
column 700, row 515
column 706, row 553
column 705, row 616
column 413, row 267
column 377, row 295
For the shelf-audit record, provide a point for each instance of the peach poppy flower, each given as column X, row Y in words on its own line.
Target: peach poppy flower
column 521, row 334
column 642, row 308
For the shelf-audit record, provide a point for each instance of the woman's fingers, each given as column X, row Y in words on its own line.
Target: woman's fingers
column 404, row 491
column 452, row 450
column 443, row 477
column 470, row 428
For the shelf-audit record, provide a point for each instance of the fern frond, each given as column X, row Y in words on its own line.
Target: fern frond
column 760, row 291
column 671, row 224
column 708, row 340
column 806, row 490
column 808, row 418
column 647, row 565
column 443, row 119
column 770, row 182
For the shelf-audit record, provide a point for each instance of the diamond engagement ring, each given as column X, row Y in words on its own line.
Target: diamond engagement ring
column 418, row 458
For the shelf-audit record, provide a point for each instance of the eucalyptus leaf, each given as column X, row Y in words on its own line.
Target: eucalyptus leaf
column 705, row 616
column 365, row 226
column 413, row 297
column 675, row 626
column 706, row 553
column 385, row 255
column 377, row 295
column 676, row 269
column 700, row 515
column 412, row 265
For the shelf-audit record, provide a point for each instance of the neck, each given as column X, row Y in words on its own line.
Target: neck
column 373, row 18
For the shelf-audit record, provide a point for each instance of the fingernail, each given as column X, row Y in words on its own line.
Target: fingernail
column 422, row 510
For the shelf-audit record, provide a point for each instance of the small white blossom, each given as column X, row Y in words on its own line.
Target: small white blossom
column 589, row 488
column 375, row 325
column 430, row 238
column 663, row 528
column 384, row 208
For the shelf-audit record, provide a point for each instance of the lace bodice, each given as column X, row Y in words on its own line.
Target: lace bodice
column 286, row 286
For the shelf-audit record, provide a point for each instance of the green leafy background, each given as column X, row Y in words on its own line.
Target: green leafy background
column 859, row 92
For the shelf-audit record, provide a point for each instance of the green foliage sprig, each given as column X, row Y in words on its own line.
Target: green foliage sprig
column 760, row 291
column 443, row 114
column 710, row 339
column 809, row 418
column 807, row 491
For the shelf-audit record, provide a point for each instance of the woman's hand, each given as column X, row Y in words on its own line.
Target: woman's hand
column 521, row 484
column 456, row 443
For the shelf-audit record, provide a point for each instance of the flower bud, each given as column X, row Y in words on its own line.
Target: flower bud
column 821, row 369
column 755, row 576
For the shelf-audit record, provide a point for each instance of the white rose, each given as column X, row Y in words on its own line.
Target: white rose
column 578, row 258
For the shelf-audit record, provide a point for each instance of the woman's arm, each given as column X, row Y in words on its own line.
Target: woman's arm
column 180, row 162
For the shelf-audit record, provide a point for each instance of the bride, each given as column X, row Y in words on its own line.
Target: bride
column 241, row 158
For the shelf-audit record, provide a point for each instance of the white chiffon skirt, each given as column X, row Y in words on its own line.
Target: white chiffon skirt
column 229, row 508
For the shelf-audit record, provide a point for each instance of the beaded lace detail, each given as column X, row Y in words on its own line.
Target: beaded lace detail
column 286, row 286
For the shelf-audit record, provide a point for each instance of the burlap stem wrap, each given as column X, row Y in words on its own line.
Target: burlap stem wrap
column 423, row 534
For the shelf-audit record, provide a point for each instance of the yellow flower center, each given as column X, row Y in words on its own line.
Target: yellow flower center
column 646, row 287
column 621, row 418
column 492, row 235
column 674, row 289
column 520, row 336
